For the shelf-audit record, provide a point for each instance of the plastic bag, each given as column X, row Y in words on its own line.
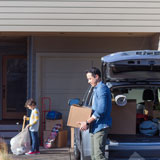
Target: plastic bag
column 148, row 128
column 20, row 144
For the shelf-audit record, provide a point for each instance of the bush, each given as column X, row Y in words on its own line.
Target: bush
column 4, row 150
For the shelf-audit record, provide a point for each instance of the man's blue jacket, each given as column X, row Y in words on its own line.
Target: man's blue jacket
column 101, row 106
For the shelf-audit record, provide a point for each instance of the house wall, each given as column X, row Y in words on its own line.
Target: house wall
column 80, row 16
column 91, row 44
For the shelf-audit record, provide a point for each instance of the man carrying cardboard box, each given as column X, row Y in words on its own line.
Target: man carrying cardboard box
column 100, row 120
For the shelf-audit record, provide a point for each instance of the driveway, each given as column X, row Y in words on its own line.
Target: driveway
column 48, row 154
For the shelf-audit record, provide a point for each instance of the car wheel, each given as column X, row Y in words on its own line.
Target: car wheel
column 76, row 152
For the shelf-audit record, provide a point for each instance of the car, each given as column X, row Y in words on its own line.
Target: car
column 134, row 80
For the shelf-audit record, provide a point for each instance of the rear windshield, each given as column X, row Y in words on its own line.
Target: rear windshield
column 138, row 93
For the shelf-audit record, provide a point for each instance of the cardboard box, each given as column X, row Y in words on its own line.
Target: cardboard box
column 124, row 118
column 61, row 139
column 156, row 113
column 78, row 114
column 51, row 123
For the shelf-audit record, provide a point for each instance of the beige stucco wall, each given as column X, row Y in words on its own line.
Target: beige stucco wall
column 90, row 44
column 80, row 16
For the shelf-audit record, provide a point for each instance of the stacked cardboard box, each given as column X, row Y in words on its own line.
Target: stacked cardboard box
column 61, row 139
column 51, row 123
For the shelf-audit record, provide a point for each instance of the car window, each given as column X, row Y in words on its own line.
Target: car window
column 135, row 94
column 87, row 98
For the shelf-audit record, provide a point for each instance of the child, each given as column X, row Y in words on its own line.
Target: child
column 33, row 126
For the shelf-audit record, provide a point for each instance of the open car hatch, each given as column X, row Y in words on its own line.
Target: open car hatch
column 132, row 66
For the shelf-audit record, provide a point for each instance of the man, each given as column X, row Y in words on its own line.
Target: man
column 101, row 120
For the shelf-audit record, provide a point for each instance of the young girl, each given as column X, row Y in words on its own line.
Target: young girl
column 33, row 126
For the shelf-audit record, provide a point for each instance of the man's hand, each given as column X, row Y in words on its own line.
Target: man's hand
column 83, row 126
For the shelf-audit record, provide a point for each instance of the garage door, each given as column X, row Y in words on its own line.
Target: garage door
column 63, row 78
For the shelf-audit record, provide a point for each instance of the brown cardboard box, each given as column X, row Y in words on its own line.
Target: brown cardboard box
column 61, row 139
column 124, row 118
column 51, row 123
column 156, row 113
column 78, row 114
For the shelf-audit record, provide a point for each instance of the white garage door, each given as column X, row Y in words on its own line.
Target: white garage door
column 63, row 78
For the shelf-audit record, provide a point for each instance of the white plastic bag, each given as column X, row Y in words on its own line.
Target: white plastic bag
column 20, row 144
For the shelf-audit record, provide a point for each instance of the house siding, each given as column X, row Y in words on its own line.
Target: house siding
column 80, row 16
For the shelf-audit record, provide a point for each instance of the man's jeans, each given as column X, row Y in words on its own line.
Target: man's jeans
column 35, row 141
column 98, row 142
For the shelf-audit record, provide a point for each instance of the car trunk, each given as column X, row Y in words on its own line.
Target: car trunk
column 130, row 74
column 141, row 106
column 125, row 138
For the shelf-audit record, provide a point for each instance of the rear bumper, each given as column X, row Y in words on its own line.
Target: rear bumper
column 135, row 151
column 134, row 146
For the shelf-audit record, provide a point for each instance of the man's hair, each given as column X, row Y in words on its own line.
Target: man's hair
column 30, row 102
column 94, row 71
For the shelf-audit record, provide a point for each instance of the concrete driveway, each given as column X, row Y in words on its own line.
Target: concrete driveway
column 66, row 154
column 48, row 154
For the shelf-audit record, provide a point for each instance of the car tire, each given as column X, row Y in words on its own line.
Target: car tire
column 76, row 152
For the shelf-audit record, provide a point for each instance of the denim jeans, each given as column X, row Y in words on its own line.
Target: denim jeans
column 98, row 142
column 35, row 141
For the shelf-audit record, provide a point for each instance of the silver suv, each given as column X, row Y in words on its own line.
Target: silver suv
column 134, row 80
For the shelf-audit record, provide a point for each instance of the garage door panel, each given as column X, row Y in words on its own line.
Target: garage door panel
column 65, row 81
column 64, row 91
